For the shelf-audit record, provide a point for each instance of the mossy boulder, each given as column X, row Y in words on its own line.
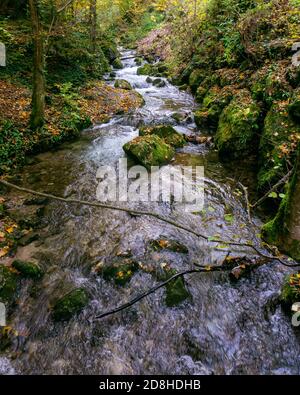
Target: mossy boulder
column 290, row 293
column 277, row 144
column 28, row 269
column 269, row 83
column 123, row 84
column 195, row 79
column 165, row 132
column 69, row 305
column 117, row 64
column 8, row 283
column 215, row 100
column 147, row 69
column 238, row 127
column 120, row 271
column 149, row 151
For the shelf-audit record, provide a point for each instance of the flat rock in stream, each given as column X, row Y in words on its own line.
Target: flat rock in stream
column 149, row 151
column 165, row 132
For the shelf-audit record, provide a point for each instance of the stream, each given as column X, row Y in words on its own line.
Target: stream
column 226, row 328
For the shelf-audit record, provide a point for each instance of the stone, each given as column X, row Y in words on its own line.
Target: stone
column 28, row 269
column 69, row 305
column 165, row 132
column 123, row 84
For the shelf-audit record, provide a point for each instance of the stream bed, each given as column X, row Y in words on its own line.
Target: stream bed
column 225, row 328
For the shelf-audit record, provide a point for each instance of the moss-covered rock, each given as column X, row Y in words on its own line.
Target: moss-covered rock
column 283, row 231
column 165, row 132
column 215, row 100
column 117, row 64
column 269, row 83
column 176, row 292
column 28, row 269
column 8, row 283
column 195, row 79
column 123, row 84
column 120, row 271
column 69, row 305
column 290, row 293
column 238, row 126
column 277, row 144
column 147, row 69
column 149, row 151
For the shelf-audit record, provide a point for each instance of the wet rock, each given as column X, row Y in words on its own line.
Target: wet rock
column 149, row 151
column 123, row 84
column 238, row 125
column 149, row 80
column 176, row 292
column 69, row 305
column 117, row 64
column 8, row 283
column 38, row 201
column 199, row 139
column 165, row 132
column 26, row 216
column 28, row 269
column 171, row 245
column 28, row 239
column 119, row 270
column 158, row 82
column 113, row 74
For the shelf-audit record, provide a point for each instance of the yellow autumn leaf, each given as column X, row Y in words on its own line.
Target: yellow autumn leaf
column 4, row 251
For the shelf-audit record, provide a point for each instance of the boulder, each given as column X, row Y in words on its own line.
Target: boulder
column 149, row 151
column 123, row 84
column 117, row 64
column 165, row 132
column 238, row 127
column 276, row 137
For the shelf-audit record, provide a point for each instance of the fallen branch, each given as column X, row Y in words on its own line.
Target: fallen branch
column 229, row 265
column 273, row 189
column 149, row 214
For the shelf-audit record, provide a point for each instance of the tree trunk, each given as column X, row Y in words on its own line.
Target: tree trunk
column 38, row 89
column 93, row 23
column 284, row 230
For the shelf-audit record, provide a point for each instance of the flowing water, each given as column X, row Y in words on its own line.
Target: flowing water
column 226, row 328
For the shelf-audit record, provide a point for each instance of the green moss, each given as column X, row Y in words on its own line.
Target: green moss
column 8, row 284
column 165, row 132
column 176, row 292
column 276, row 137
column 149, row 151
column 120, row 272
column 214, row 102
column 69, row 305
column 171, row 245
column 195, row 79
column 117, row 64
column 238, row 125
column 294, row 107
column 147, row 69
column 28, row 269
column 290, row 293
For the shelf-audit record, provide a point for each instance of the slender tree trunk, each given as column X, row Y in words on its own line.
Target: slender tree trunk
column 93, row 22
column 38, row 89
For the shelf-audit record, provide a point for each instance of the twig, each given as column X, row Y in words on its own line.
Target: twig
column 149, row 214
column 274, row 188
column 206, row 269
